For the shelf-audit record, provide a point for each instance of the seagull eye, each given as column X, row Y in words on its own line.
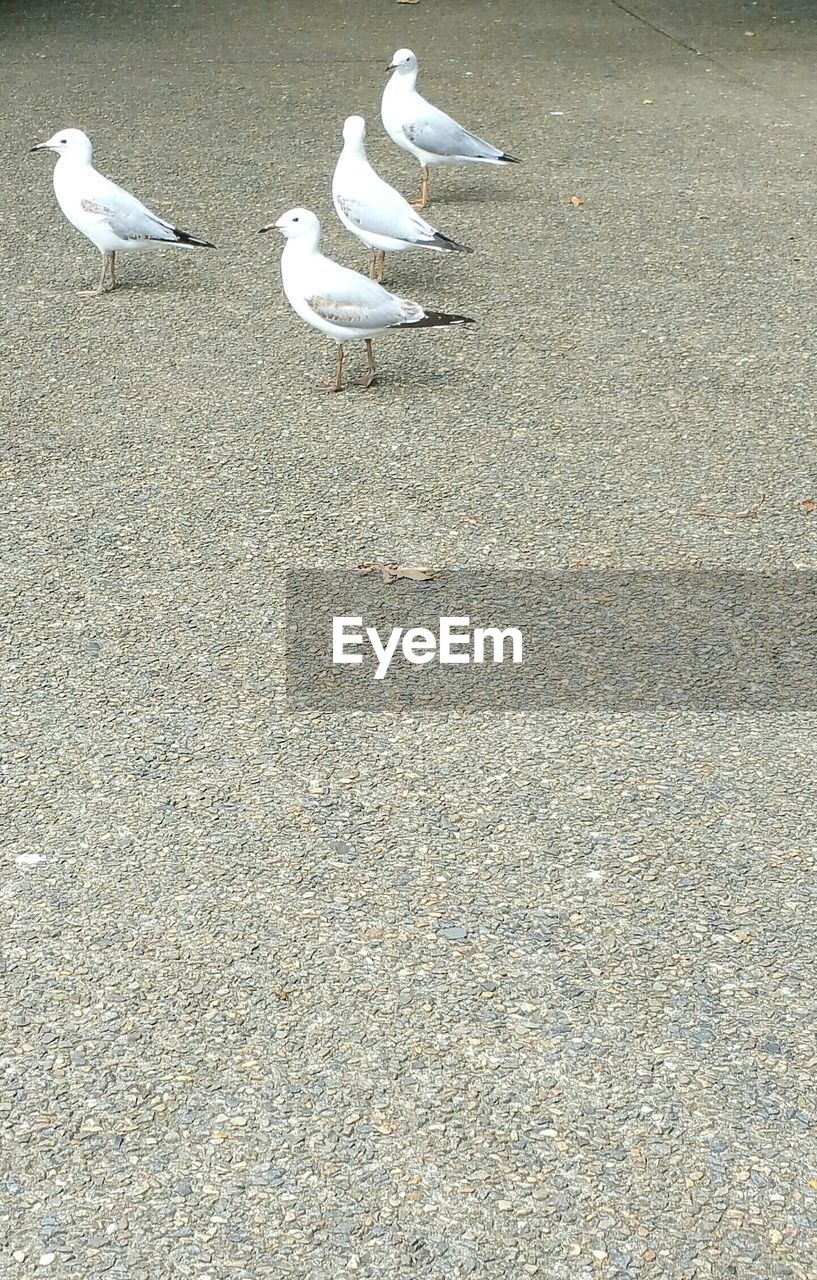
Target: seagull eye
column 63, row 140
column 294, row 219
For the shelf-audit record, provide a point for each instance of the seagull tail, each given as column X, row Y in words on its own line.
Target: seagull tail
column 439, row 241
column 184, row 237
column 435, row 320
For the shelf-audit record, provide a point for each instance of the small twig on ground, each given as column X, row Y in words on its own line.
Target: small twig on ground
column 748, row 514
column 393, row 572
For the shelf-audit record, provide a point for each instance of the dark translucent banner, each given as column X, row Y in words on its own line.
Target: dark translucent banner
column 598, row 640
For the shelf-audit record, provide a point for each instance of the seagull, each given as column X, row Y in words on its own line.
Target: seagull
column 111, row 218
column 339, row 302
column 424, row 131
column 373, row 211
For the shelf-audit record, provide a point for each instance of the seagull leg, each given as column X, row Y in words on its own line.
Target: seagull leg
column 369, row 365
column 422, row 201
column 337, row 385
column 107, row 280
column 373, row 265
column 381, row 265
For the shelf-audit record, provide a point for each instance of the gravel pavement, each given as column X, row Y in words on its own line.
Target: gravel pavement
column 420, row 995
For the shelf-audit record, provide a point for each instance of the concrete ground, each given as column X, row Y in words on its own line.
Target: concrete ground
column 432, row 995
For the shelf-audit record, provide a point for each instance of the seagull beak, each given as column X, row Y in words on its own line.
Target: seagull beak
column 271, row 226
column 39, row 147
column 391, row 67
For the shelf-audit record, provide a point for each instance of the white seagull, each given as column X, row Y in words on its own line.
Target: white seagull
column 339, row 302
column 111, row 218
column 373, row 211
column 424, row 131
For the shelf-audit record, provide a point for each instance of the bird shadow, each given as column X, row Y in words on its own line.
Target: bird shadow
column 155, row 287
column 394, row 376
column 471, row 193
column 391, row 378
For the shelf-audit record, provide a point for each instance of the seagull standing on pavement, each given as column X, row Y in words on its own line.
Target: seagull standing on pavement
column 373, row 211
column 339, row 302
column 111, row 218
column 424, row 131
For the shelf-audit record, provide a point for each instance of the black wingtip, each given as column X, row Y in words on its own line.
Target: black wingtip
column 436, row 320
column 184, row 237
column 506, row 159
column 439, row 241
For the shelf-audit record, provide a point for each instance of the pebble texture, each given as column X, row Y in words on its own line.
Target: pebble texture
column 441, row 995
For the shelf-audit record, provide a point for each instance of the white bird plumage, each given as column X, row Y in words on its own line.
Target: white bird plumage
column 373, row 211
column 427, row 133
column 110, row 217
column 338, row 301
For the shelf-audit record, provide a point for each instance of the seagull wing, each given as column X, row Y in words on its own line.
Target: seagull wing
column 378, row 208
column 347, row 299
column 126, row 216
column 440, row 135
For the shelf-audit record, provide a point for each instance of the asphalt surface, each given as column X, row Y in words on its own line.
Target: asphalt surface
column 437, row 995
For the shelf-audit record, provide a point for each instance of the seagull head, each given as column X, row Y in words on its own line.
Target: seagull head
column 68, row 142
column 354, row 130
column 403, row 61
column 296, row 224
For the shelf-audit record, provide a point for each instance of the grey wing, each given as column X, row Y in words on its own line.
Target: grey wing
column 126, row 216
column 352, row 302
column 386, row 214
column 440, row 135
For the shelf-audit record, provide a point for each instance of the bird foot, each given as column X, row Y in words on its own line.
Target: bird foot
column 419, row 204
